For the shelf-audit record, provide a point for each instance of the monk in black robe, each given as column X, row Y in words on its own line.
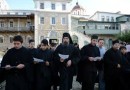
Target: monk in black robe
column 125, row 68
column 112, row 67
column 33, row 52
column 17, row 63
column 89, row 65
column 43, row 69
column 66, row 65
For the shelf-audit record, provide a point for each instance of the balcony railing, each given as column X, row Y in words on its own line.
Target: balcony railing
column 99, row 31
column 31, row 28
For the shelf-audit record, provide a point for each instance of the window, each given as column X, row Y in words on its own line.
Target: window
column 41, row 5
column 42, row 20
column 112, row 19
column 24, row 13
column 53, row 20
column 8, row 13
column 107, row 18
column 1, row 24
column 63, row 7
column 83, row 27
column 78, row 12
column 11, row 39
column 63, row 20
column 53, row 6
column 28, row 38
column 11, row 24
column 128, row 19
column 1, row 39
column 103, row 19
column 28, row 23
column 16, row 13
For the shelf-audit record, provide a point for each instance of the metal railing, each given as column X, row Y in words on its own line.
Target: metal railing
column 31, row 28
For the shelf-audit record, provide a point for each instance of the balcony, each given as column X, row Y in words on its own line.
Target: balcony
column 99, row 31
column 103, row 29
column 113, row 32
column 17, row 29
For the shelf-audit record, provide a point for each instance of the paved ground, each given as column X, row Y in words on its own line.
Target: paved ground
column 76, row 85
column 2, row 86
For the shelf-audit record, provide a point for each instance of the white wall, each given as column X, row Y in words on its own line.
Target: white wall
column 108, row 15
column 47, row 6
column 98, row 16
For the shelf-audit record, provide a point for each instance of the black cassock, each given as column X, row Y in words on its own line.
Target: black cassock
column 66, row 73
column 18, row 79
column 33, row 52
column 43, row 72
column 2, row 75
column 87, row 70
column 112, row 74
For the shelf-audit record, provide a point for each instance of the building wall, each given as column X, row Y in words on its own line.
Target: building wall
column 99, row 15
column 125, row 27
column 47, row 5
column 20, row 27
column 47, row 29
column 123, row 19
column 17, row 22
column 8, row 44
column 76, row 24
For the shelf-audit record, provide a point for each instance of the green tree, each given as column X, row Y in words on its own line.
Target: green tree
column 124, row 36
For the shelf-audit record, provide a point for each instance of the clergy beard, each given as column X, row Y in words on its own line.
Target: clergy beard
column 65, row 43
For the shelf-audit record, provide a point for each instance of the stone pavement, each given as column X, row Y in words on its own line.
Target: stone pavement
column 77, row 86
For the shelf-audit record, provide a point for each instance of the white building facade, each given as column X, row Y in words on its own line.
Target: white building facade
column 105, row 16
column 52, row 19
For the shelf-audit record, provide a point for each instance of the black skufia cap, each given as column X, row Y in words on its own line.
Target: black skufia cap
column 115, row 41
column 94, row 37
column 44, row 41
column 67, row 35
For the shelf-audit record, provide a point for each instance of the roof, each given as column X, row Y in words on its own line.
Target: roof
column 106, row 12
column 77, row 6
column 124, row 16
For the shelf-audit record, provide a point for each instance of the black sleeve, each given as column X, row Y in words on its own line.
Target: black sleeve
column 109, row 61
column 50, row 56
column 84, row 54
column 55, row 55
column 5, row 60
column 98, row 52
column 76, row 56
column 29, row 67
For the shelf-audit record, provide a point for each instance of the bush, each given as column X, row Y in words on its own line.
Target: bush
column 124, row 37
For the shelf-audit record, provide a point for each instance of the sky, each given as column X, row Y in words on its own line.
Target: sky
column 91, row 6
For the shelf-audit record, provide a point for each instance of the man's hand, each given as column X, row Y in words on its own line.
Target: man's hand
column 20, row 66
column 61, row 60
column 35, row 62
column 91, row 58
column 47, row 63
column 69, row 63
column 7, row 67
column 118, row 66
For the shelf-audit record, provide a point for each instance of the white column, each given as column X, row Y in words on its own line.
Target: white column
column 36, row 36
column 69, row 22
column 18, row 24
